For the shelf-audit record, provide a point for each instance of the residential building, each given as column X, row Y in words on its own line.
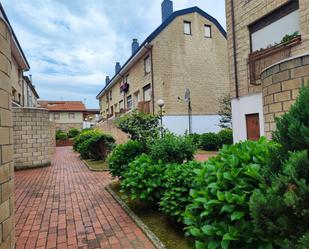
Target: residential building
column 186, row 53
column 268, row 45
column 30, row 95
column 66, row 114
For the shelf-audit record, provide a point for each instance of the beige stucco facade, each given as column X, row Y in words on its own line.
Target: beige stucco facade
column 178, row 62
column 251, row 17
column 66, row 120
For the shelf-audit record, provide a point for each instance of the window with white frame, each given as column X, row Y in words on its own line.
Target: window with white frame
column 56, row 115
column 71, row 115
column 207, row 31
column 147, row 65
column 187, row 28
column 147, row 92
column 129, row 102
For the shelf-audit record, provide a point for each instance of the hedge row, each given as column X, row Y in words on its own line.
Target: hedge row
column 62, row 135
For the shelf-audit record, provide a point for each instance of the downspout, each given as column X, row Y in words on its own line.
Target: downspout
column 152, row 78
column 234, row 49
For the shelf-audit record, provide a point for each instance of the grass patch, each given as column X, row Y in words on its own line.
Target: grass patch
column 168, row 231
column 97, row 165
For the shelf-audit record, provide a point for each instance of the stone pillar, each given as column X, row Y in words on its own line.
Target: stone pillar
column 281, row 83
column 6, row 140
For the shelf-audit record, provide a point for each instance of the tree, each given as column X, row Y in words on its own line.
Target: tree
column 225, row 111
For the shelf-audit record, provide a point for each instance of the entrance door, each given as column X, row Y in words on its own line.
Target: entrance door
column 253, row 126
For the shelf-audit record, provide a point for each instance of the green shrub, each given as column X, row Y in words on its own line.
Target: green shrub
column 140, row 126
column 144, row 179
column 93, row 144
column 172, row 149
column 218, row 216
column 280, row 208
column 196, row 139
column 61, row 135
column 73, row 133
column 210, row 141
column 225, row 137
column 178, row 180
column 122, row 155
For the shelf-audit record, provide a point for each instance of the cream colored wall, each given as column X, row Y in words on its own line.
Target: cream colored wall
column 16, row 77
column 64, row 118
column 190, row 61
column 247, row 12
column 182, row 61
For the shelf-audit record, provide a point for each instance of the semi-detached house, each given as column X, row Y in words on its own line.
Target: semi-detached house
column 187, row 51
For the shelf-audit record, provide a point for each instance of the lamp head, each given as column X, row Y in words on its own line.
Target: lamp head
column 160, row 102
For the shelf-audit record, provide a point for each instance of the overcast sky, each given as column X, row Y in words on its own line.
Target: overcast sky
column 72, row 45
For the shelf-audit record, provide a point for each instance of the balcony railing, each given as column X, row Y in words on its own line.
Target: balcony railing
column 144, row 107
column 262, row 59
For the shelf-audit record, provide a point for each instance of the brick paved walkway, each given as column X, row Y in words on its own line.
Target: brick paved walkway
column 66, row 206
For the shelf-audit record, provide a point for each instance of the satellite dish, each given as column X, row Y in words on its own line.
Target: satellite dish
column 187, row 95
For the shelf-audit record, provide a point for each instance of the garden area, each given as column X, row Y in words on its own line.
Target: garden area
column 253, row 194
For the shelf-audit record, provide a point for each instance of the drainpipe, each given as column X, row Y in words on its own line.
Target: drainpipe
column 149, row 48
column 234, row 49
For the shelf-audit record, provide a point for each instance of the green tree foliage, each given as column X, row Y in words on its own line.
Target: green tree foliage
column 172, row 149
column 140, row 126
column 225, row 112
column 122, row 155
column 218, row 216
column 73, row 133
column 61, row 135
column 178, row 180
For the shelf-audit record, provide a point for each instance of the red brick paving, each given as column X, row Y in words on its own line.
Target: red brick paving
column 66, row 206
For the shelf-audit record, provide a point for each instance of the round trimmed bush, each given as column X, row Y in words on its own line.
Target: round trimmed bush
column 225, row 137
column 210, row 141
column 61, row 135
column 73, row 133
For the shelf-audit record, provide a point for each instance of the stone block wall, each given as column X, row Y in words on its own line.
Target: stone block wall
column 6, row 141
column 110, row 128
column 68, row 126
column 280, row 85
column 34, row 138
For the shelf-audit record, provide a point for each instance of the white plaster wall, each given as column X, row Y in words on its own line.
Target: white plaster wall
column 276, row 31
column 179, row 124
column 246, row 105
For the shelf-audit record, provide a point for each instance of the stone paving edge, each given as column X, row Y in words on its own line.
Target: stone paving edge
column 94, row 170
column 150, row 235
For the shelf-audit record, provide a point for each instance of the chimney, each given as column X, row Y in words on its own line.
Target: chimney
column 167, row 9
column 135, row 46
column 117, row 67
column 107, row 80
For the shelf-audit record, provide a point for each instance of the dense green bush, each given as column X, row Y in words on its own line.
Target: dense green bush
column 225, row 137
column 218, row 216
column 280, row 208
column 73, row 133
column 196, row 139
column 144, row 179
column 178, row 180
column 140, row 126
column 172, row 149
column 61, row 135
column 122, row 155
column 93, row 144
column 210, row 141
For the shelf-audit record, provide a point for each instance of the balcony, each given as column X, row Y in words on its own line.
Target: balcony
column 262, row 59
column 144, row 107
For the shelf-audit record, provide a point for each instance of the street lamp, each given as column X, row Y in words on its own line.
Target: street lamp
column 161, row 103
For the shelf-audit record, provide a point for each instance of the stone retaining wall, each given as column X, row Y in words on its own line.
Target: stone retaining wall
column 6, row 140
column 281, row 84
column 34, row 138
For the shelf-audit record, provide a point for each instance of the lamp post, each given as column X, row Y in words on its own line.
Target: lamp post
column 161, row 103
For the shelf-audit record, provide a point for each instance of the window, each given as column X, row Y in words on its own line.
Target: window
column 56, row 116
column 147, row 93
column 136, row 99
column 207, row 31
column 126, row 79
column 110, row 95
column 270, row 30
column 147, row 65
column 187, row 28
column 129, row 102
column 121, row 106
column 71, row 115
